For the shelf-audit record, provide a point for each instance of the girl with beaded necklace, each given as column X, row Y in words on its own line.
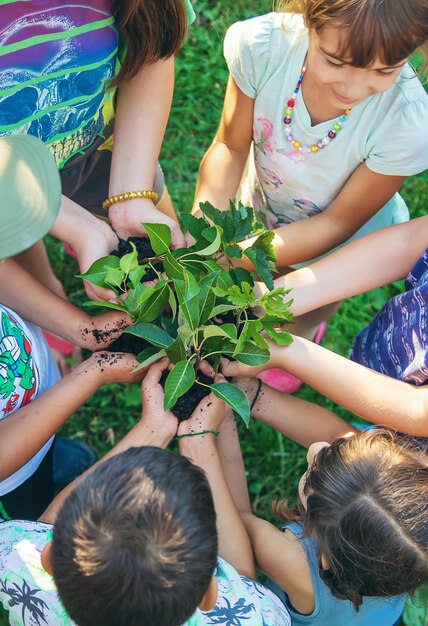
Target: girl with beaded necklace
column 325, row 110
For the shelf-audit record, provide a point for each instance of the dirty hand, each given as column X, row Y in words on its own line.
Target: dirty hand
column 154, row 417
column 114, row 367
column 99, row 331
column 236, row 369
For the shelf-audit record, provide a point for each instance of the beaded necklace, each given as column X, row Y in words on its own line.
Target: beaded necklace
column 321, row 143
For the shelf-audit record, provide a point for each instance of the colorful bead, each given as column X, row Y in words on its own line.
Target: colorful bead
column 321, row 143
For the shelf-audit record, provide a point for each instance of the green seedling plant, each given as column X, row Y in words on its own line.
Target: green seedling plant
column 202, row 307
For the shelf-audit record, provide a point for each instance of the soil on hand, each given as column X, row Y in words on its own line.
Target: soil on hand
column 128, row 343
column 144, row 251
column 185, row 405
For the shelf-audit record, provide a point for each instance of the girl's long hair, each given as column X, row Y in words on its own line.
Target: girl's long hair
column 388, row 30
column 368, row 509
column 151, row 30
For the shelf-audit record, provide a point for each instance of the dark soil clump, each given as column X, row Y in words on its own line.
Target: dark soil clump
column 128, row 343
column 185, row 405
column 144, row 251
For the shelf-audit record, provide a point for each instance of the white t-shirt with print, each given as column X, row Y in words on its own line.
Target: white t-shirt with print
column 27, row 369
column 30, row 596
column 388, row 131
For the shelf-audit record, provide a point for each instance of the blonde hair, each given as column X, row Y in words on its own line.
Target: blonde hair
column 388, row 30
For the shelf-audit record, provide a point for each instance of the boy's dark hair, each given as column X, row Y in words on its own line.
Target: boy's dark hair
column 135, row 544
column 151, row 30
column 368, row 508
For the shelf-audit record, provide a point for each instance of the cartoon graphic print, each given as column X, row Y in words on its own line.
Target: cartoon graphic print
column 17, row 378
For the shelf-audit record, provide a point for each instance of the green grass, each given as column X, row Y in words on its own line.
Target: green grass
column 274, row 464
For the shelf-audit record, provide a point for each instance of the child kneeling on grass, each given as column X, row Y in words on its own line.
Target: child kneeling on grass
column 135, row 543
column 34, row 403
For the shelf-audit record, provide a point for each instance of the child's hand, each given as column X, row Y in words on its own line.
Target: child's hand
column 209, row 413
column 114, row 367
column 126, row 218
column 154, row 417
column 99, row 331
column 236, row 369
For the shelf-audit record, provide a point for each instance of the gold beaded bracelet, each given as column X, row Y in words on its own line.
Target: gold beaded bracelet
column 130, row 195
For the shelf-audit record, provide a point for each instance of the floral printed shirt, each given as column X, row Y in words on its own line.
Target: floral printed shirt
column 30, row 596
column 387, row 131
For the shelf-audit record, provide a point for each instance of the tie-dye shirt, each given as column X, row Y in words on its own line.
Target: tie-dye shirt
column 56, row 60
column 395, row 343
column 30, row 596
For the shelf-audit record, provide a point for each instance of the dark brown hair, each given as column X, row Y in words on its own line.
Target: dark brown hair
column 368, row 509
column 135, row 544
column 388, row 30
column 151, row 30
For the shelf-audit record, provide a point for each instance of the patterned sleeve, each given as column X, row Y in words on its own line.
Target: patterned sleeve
column 247, row 48
column 398, row 147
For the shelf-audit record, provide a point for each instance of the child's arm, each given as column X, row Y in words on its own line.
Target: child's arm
column 374, row 260
column 155, row 428
column 222, row 166
column 234, row 544
column 37, row 304
column 142, row 113
column 297, row 419
column 377, row 398
column 278, row 554
column 25, row 431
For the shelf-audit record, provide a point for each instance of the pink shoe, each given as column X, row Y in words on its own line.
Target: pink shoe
column 282, row 380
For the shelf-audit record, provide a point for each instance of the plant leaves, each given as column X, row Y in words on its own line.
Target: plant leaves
column 154, row 305
column 114, row 277
column 194, row 225
column 252, row 355
column 176, row 351
column 212, row 247
column 225, row 330
column 241, row 275
column 234, row 397
column 179, row 380
column 223, row 308
column 96, row 273
column 151, row 333
column 206, row 296
column 264, row 243
column 261, row 264
column 279, row 335
column 147, row 356
column 159, row 235
column 189, row 308
column 136, row 275
column 106, row 305
column 129, row 261
column 172, row 267
column 233, row 252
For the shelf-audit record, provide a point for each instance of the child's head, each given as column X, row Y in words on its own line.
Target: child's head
column 30, row 193
column 136, row 543
column 367, row 504
column 371, row 31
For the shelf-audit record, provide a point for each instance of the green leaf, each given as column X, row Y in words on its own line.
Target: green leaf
column 264, row 243
column 172, row 267
column 136, row 275
column 224, row 280
column 106, row 305
column 252, row 355
column 234, row 397
column 206, row 296
column 225, row 330
column 233, row 252
column 155, row 303
column 189, row 308
column 129, row 261
column 151, row 333
column 240, row 275
column 250, row 330
column 179, row 380
column 159, row 235
column 172, row 301
column 191, row 287
column 176, row 351
column 279, row 335
column 147, row 356
column 96, row 273
column 114, row 277
column 212, row 247
column 185, row 334
column 194, row 225
column 216, row 216
column 261, row 264
column 222, row 308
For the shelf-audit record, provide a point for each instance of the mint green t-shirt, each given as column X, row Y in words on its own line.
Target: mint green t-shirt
column 387, row 131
